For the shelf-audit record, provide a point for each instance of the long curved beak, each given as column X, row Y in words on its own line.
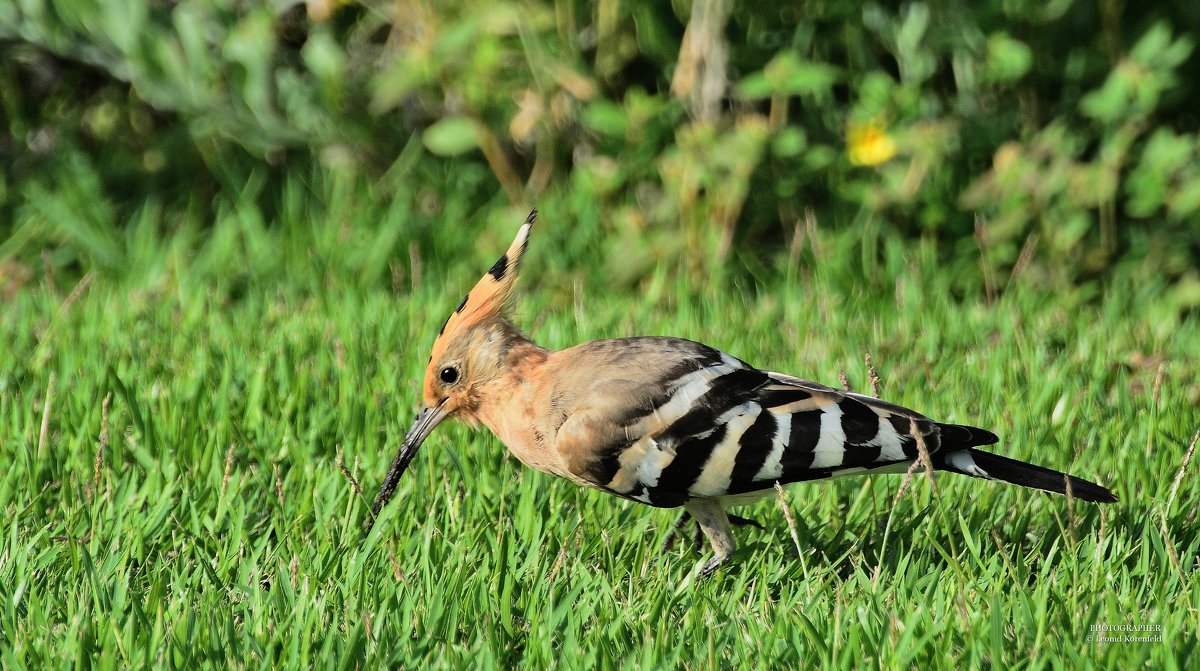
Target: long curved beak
column 421, row 427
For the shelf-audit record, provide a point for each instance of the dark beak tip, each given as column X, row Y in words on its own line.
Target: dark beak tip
column 425, row 421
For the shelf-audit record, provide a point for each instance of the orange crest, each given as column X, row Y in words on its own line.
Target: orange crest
column 491, row 294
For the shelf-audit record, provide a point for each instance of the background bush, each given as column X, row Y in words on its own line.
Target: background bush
column 1054, row 141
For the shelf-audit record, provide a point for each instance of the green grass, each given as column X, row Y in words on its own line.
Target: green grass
column 221, row 530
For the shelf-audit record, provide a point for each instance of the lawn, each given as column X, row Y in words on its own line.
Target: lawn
column 189, row 463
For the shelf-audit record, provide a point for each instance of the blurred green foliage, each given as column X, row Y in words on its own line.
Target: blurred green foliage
column 1051, row 141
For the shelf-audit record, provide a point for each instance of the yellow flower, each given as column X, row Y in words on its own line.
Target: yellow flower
column 869, row 144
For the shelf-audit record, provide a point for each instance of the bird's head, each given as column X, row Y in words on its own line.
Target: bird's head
column 468, row 352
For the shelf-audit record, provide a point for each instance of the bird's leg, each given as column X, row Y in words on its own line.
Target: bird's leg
column 698, row 539
column 669, row 541
column 711, row 517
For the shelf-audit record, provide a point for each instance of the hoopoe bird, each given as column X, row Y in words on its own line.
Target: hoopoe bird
column 670, row 422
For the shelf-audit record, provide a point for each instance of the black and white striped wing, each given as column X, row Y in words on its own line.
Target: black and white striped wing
column 728, row 428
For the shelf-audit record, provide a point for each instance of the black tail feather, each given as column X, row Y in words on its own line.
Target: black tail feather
column 1027, row 475
column 961, row 436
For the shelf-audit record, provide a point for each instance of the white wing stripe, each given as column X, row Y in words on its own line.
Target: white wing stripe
column 831, row 448
column 888, row 441
column 772, row 468
column 714, row 477
column 687, row 390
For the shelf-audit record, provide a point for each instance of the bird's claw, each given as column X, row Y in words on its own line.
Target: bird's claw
column 710, row 567
column 698, row 541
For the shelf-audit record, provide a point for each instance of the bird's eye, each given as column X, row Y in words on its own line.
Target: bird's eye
column 449, row 375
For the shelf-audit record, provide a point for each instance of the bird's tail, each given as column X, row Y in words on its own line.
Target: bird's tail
column 980, row 464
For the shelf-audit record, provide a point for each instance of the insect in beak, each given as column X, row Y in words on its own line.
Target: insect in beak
column 427, row 419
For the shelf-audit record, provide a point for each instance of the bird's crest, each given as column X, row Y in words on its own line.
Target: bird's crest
column 490, row 296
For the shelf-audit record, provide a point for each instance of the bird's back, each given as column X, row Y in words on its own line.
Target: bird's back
column 662, row 420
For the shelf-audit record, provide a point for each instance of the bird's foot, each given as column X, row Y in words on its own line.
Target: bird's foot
column 698, row 540
column 710, row 567
column 673, row 534
column 676, row 531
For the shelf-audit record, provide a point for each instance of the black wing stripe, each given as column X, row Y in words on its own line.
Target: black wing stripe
column 802, row 443
column 683, row 471
column 698, row 432
column 903, row 426
column 860, row 455
column 781, row 441
column 859, row 422
column 806, row 432
column 755, row 447
column 774, row 398
column 724, row 393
